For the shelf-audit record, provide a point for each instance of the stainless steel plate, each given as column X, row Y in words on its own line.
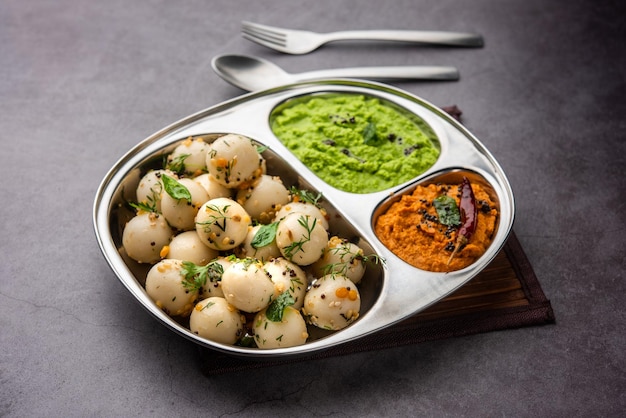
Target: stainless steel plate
column 390, row 293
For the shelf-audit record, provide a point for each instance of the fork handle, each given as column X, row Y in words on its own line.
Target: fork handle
column 421, row 37
column 419, row 72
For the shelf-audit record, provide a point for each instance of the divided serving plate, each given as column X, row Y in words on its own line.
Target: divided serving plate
column 390, row 292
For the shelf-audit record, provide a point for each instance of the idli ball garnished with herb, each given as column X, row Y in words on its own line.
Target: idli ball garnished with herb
column 279, row 325
column 303, row 201
column 222, row 223
column 213, row 272
column 264, row 197
column 189, row 157
column 341, row 257
column 181, row 200
column 260, row 243
column 150, row 188
column 217, row 320
column 234, row 160
column 301, row 238
column 332, row 303
column 168, row 286
column 288, row 277
column 247, row 286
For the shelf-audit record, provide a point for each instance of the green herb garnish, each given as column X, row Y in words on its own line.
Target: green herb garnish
column 276, row 309
column 175, row 189
column 146, row 207
column 208, row 305
column 246, row 340
column 195, row 276
column 215, row 219
column 447, row 210
column 265, row 235
column 297, row 246
column 306, row 195
column 369, row 134
column 177, row 164
column 342, row 268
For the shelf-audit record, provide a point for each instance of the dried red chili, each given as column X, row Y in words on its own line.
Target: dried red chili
column 469, row 217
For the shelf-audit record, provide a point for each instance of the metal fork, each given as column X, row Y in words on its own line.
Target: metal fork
column 299, row 42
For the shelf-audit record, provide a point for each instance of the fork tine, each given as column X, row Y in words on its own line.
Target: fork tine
column 267, row 30
column 278, row 40
column 268, row 44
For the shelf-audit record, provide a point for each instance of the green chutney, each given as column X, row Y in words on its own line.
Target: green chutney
column 356, row 143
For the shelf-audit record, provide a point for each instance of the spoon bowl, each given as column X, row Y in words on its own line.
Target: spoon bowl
column 249, row 73
column 253, row 73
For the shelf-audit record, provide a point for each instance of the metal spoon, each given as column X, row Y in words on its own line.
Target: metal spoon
column 253, row 73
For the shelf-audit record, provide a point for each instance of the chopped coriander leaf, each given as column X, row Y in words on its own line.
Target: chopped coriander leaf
column 195, row 276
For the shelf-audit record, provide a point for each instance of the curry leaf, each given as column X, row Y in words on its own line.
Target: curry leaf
column 369, row 134
column 447, row 210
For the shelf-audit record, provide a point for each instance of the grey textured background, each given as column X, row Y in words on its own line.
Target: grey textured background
column 81, row 82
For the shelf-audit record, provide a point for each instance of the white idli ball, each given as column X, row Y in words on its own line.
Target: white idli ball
column 333, row 302
column 288, row 277
column 263, row 198
column 150, row 187
column 189, row 156
column 212, row 187
column 233, row 160
column 301, row 238
column 289, row 332
column 263, row 253
column 217, row 320
column 247, row 286
column 145, row 236
column 341, row 257
column 165, row 284
column 181, row 213
column 222, row 223
column 188, row 246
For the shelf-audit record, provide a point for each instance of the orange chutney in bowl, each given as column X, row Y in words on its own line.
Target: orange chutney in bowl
column 412, row 230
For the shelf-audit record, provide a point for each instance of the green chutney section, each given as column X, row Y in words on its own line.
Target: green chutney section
column 356, row 143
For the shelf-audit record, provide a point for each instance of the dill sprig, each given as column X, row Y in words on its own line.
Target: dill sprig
column 297, row 246
column 306, row 195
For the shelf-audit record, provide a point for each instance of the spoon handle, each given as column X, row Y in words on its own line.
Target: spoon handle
column 420, row 37
column 419, row 72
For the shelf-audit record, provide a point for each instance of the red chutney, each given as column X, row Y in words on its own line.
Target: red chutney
column 410, row 228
